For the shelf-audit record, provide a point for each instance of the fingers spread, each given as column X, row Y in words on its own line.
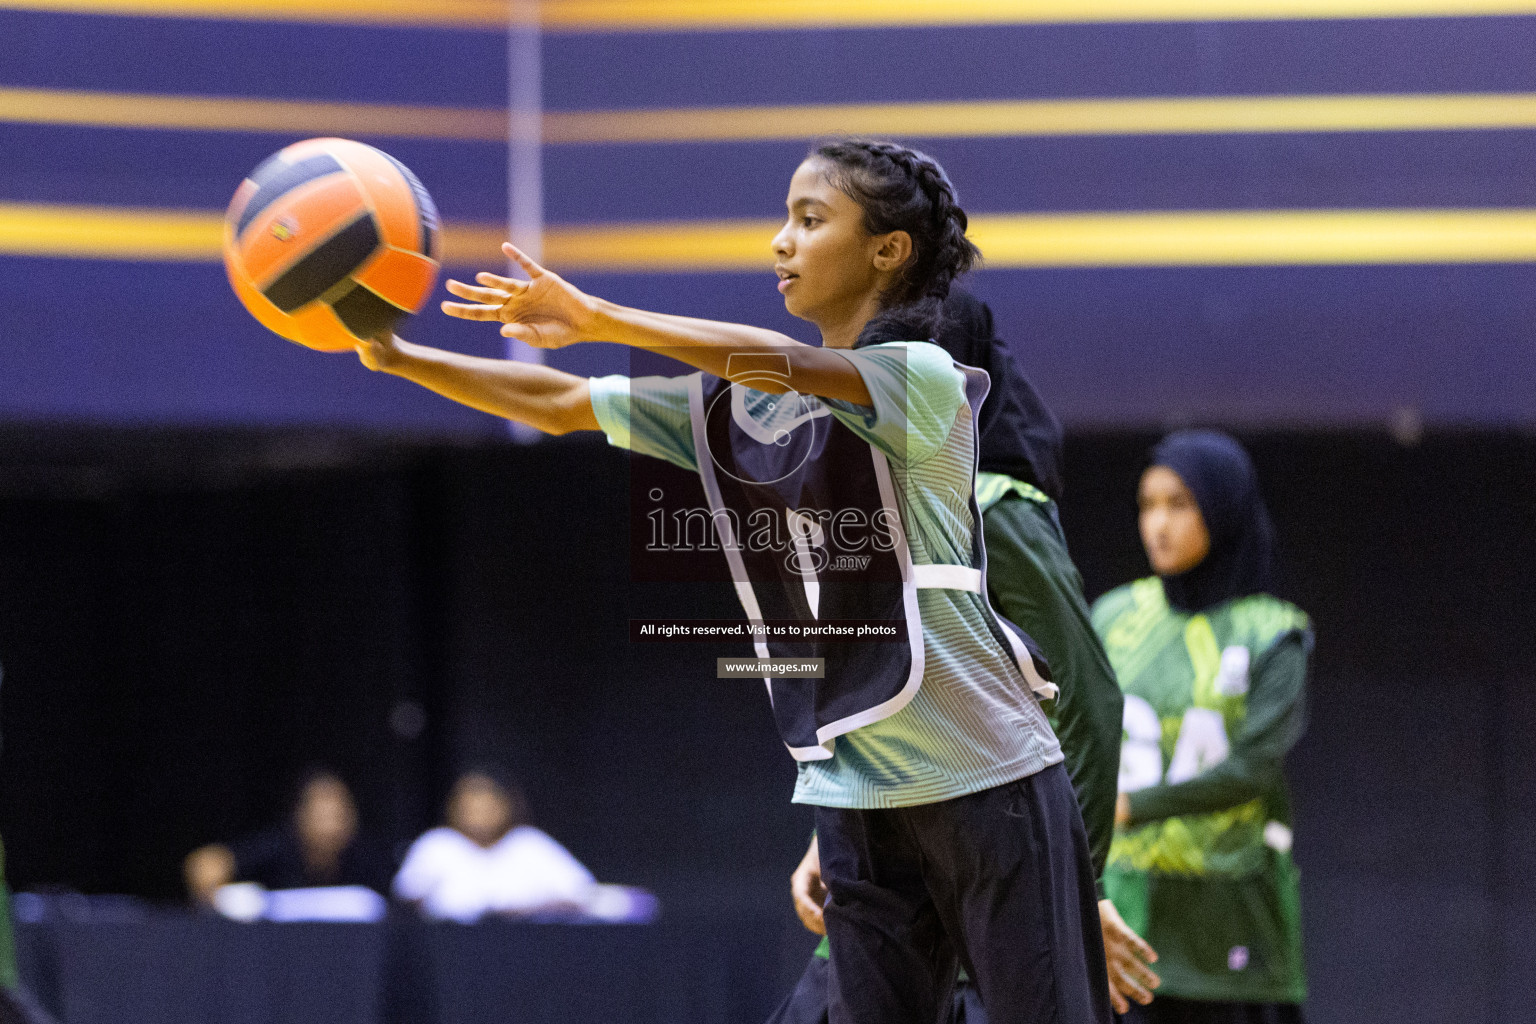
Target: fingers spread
column 506, row 284
column 530, row 268
column 493, row 296
column 465, row 311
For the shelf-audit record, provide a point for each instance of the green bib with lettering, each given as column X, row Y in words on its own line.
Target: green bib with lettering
column 1214, row 893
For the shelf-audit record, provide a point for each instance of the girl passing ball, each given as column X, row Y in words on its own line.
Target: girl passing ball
column 948, row 831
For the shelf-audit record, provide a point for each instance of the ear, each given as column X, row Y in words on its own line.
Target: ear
column 892, row 251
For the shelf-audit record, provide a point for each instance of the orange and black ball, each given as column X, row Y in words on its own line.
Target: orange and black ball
column 330, row 241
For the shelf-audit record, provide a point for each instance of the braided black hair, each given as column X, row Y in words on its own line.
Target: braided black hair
column 901, row 189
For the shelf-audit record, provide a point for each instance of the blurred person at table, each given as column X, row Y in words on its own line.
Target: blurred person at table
column 319, row 845
column 487, row 859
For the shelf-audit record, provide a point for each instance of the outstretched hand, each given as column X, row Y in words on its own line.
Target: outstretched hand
column 544, row 311
column 1126, row 956
column 379, row 353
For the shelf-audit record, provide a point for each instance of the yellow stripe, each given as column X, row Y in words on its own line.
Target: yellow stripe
column 975, row 119
column 474, row 14
column 1239, row 238
column 710, row 245
column 1258, row 238
column 675, row 15
column 196, row 236
column 474, row 245
column 219, row 113
column 105, row 233
column 688, row 15
column 980, row 119
column 1162, row 239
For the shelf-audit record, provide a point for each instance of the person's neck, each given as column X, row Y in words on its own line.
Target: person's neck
column 842, row 329
column 486, row 840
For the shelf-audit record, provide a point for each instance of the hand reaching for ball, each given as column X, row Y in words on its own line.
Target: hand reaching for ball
column 544, row 311
column 381, row 352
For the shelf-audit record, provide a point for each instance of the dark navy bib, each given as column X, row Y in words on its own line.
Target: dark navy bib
column 807, row 514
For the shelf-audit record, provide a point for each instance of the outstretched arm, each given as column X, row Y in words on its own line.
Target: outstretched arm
column 546, row 311
column 544, row 398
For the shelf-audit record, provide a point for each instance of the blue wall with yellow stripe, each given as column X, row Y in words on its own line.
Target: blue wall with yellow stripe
column 141, row 338
column 1272, row 212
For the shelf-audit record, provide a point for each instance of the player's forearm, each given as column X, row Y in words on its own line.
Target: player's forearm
column 708, row 345
column 1232, row 783
column 1276, row 716
column 546, row 399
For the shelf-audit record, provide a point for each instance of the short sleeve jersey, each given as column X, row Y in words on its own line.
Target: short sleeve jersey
column 973, row 723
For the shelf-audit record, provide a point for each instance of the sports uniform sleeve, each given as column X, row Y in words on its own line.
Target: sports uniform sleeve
column 1275, row 721
column 648, row 415
column 915, row 393
column 1034, row 584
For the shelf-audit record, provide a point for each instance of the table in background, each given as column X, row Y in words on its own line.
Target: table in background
column 169, row 967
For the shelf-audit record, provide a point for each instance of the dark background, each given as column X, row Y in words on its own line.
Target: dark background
column 188, row 620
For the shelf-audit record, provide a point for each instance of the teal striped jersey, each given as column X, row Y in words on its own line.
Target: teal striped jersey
column 973, row 723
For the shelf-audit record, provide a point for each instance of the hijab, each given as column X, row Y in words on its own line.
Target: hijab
column 1019, row 435
column 1220, row 475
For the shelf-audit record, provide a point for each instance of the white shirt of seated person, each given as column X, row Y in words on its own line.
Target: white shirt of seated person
column 484, row 862
column 525, row 871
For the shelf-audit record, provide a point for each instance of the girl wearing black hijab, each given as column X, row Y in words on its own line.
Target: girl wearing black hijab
column 1214, row 668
